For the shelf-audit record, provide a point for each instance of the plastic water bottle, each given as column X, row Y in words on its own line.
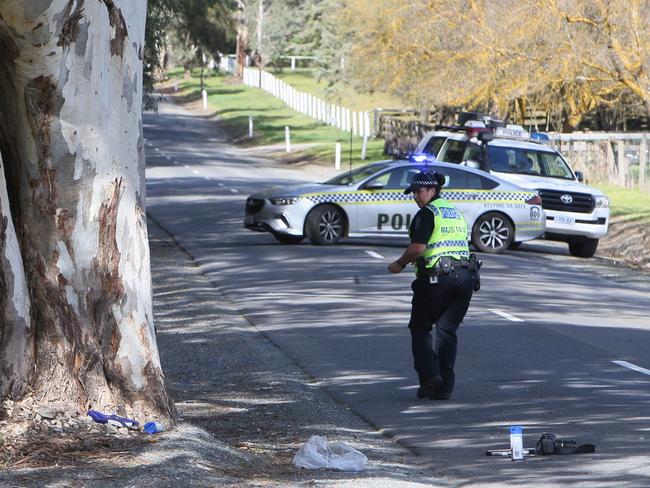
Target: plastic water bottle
column 153, row 427
column 516, row 443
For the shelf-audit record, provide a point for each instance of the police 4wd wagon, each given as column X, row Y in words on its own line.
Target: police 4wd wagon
column 370, row 201
column 575, row 213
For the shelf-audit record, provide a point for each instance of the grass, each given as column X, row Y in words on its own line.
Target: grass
column 627, row 204
column 234, row 103
column 305, row 79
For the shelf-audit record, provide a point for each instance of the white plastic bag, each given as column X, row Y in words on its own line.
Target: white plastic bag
column 318, row 453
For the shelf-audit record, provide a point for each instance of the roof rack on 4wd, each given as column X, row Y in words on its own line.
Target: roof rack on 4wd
column 474, row 123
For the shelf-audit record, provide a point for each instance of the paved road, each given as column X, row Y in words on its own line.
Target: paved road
column 537, row 347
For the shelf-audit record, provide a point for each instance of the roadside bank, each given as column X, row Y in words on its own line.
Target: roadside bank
column 628, row 243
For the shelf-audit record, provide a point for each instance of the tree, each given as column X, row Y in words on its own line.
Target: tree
column 207, row 26
column 159, row 17
column 75, row 289
column 502, row 56
column 609, row 44
column 241, row 40
column 276, row 24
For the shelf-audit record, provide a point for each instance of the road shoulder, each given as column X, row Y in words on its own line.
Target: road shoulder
column 230, row 380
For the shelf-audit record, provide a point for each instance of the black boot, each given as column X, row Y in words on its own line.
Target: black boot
column 429, row 386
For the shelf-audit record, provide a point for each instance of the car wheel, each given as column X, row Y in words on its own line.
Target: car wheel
column 288, row 239
column 492, row 233
column 325, row 225
column 583, row 249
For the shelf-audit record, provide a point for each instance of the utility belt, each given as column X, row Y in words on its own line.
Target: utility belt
column 446, row 265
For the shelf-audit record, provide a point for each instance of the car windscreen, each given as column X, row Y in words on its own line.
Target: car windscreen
column 434, row 144
column 528, row 162
column 452, row 151
column 358, row 174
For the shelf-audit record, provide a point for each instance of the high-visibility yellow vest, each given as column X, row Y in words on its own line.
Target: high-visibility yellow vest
column 449, row 236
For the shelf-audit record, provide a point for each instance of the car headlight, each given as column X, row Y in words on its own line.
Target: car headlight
column 284, row 200
column 602, row 202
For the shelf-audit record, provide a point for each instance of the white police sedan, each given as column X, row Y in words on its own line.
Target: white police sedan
column 369, row 201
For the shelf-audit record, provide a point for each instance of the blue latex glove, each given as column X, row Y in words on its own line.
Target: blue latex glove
column 102, row 418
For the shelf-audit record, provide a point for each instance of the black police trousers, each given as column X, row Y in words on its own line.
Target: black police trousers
column 444, row 304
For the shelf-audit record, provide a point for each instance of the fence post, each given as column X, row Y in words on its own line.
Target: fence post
column 287, row 137
column 643, row 160
column 250, row 126
column 375, row 121
column 204, row 96
column 622, row 163
column 337, row 156
column 364, row 147
column 354, row 123
column 611, row 160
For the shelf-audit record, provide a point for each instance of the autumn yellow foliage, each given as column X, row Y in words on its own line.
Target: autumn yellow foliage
column 563, row 57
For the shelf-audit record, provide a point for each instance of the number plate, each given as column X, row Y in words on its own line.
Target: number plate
column 563, row 219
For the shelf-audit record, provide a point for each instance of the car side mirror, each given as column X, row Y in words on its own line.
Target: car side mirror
column 373, row 185
column 485, row 136
column 580, row 176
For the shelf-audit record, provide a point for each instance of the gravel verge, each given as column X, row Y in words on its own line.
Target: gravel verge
column 244, row 409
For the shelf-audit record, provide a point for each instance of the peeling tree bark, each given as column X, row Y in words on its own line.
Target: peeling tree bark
column 70, row 131
column 16, row 338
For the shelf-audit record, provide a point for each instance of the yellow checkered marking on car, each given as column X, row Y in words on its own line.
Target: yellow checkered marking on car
column 533, row 225
column 360, row 197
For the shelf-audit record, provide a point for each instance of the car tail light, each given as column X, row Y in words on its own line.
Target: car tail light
column 534, row 200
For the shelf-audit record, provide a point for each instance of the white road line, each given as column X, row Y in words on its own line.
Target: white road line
column 175, row 162
column 156, row 149
column 506, row 315
column 195, row 172
column 168, row 158
column 234, row 190
column 374, row 254
column 207, row 177
column 220, row 184
column 186, row 166
column 631, row 366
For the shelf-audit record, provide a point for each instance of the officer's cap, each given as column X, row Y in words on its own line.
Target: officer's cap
column 426, row 179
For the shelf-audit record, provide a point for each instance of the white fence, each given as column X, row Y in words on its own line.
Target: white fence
column 619, row 158
column 341, row 117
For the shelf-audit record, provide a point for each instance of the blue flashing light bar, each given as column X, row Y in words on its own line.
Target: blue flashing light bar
column 540, row 136
column 422, row 158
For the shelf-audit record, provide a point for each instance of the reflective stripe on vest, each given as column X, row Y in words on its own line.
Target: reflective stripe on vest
column 449, row 236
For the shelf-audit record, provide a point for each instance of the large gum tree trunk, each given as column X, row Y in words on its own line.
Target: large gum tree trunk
column 15, row 327
column 77, row 326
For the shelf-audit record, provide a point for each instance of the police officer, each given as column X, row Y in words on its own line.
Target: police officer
column 443, row 286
